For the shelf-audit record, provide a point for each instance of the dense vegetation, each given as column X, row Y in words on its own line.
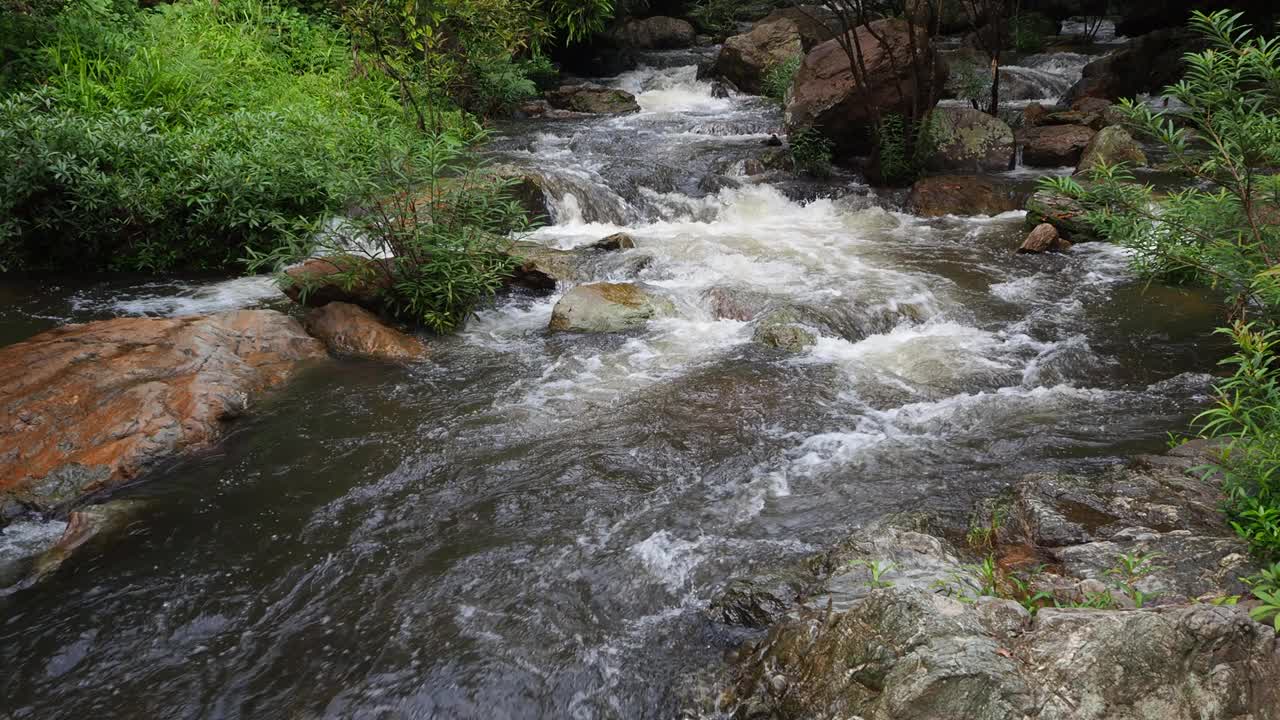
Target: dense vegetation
column 1223, row 230
column 199, row 134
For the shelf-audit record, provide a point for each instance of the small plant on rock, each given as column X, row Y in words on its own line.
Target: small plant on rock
column 779, row 77
column 1265, row 587
column 878, row 569
column 1130, row 570
column 810, row 152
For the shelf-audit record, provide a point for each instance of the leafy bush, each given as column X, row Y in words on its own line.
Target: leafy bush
column 182, row 139
column 1028, row 31
column 779, row 77
column 968, row 82
column 1222, row 230
column 715, row 17
column 902, row 148
column 435, row 246
column 810, row 152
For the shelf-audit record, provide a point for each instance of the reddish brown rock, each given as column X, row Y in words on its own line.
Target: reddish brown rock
column 963, row 195
column 348, row 279
column 784, row 34
column 351, row 330
column 1044, row 238
column 826, row 97
column 1034, row 114
column 1054, row 145
column 86, row 407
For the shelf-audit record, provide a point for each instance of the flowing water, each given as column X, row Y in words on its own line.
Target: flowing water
column 530, row 524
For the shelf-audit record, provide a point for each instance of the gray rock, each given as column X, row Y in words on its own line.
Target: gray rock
column 592, row 99
column 608, row 307
column 1112, row 145
column 654, row 33
column 970, row 140
column 1065, row 214
column 783, row 329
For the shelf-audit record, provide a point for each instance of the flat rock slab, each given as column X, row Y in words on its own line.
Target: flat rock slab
column 86, row 407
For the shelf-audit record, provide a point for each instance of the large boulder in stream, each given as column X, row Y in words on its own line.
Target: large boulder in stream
column 1063, row 213
column 826, row 97
column 89, row 407
column 593, row 99
column 970, row 140
column 653, row 33
column 348, row 329
column 1054, row 145
column 1146, row 65
column 608, row 307
column 785, row 34
column 337, row 278
column 1112, row 145
column 963, row 195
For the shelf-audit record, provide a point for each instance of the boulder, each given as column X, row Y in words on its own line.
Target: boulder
column 348, row 329
column 337, row 278
column 1112, row 145
column 89, row 407
column 594, row 99
column 963, row 195
column 826, row 97
column 528, row 188
column 1065, row 214
column 1044, row 238
column 614, row 242
column 1054, row 145
column 1034, row 114
column 608, row 307
column 779, row 333
column 785, row 34
column 654, row 33
column 970, row 140
column 1146, row 65
column 948, row 18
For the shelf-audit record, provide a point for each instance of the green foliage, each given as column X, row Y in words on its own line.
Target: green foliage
column 1129, row 571
column 968, row 82
column 877, row 570
column 779, row 77
column 810, row 152
column 187, row 136
column 435, row 247
column 715, row 17
column 1265, row 587
column 1028, row 30
column 902, row 147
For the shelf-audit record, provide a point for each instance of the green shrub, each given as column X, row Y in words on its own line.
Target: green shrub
column 188, row 137
column 902, row 149
column 779, row 78
column 1028, row 31
column 715, row 17
column 810, row 152
column 437, row 244
column 1222, row 230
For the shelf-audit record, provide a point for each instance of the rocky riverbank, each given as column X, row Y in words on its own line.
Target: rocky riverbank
column 1107, row 596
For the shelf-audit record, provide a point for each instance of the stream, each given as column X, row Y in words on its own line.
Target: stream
column 529, row 525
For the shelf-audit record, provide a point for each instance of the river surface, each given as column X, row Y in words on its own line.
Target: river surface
column 529, row 525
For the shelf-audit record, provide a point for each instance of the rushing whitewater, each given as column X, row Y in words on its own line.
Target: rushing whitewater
column 531, row 524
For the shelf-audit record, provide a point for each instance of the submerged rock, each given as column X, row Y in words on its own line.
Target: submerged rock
column 971, row 140
column 783, row 329
column 785, row 34
column 351, row 330
column 826, row 97
column 88, row 407
column 594, row 99
column 48, row 544
column 1112, row 145
column 1054, row 145
column 963, row 195
column 614, row 242
column 608, row 307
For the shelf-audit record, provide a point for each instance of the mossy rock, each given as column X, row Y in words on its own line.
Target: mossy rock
column 968, row 139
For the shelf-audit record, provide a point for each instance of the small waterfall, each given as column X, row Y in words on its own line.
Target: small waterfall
column 1045, row 77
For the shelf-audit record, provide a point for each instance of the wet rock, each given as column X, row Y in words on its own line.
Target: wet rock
column 542, row 267
column 351, row 330
column 1112, row 145
column 948, row 18
column 1146, row 65
column 1034, row 114
column 785, row 34
column 337, row 278
column 594, row 99
column 528, row 188
column 748, row 603
column 88, row 407
column 1063, row 213
column 910, row 559
column 1044, row 238
column 826, row 97
column 783, row 329
column 608, row 307
column 615, row 242
column 971, row 140
column 963, row 195
column 736, row 303
column 654, row 33
column 1054, row 145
